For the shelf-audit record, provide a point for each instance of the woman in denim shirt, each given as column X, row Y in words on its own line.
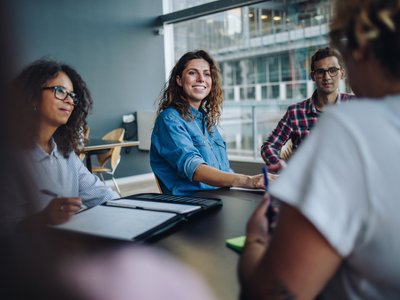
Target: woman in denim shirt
column 187, row 152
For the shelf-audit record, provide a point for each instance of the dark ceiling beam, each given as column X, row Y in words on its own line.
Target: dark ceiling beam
column 212, row 8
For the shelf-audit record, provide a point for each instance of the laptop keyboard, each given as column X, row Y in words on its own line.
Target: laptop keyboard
column 205, row 202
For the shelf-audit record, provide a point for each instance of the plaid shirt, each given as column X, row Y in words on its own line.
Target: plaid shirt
column 296, row 124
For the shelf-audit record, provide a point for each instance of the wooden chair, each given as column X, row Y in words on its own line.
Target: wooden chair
column 85, row 136
column 158, row 182
column 109, row 161
column 286, row 150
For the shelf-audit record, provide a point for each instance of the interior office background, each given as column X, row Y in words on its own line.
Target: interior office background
column 113, row 46
column 125, row 54
column 264, row 52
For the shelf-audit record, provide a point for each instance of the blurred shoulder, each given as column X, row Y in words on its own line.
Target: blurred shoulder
column 364, row 110
column 136, row 273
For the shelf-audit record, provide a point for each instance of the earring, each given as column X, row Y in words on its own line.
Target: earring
column 35, row 108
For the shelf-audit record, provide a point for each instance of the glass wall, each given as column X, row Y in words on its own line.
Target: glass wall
column 264, row 54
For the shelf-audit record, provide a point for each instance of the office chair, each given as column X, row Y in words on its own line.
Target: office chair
column 109, row 161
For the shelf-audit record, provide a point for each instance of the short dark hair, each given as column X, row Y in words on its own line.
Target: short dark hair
column 324, row 53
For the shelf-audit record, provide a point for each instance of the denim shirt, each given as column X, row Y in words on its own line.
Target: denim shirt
column 179, row 147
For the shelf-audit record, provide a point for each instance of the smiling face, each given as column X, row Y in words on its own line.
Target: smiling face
column 195, row 81
column 52, row 111
column 326, row 83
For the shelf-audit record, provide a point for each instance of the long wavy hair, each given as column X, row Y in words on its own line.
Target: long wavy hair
column 173, row 95
column 27, row 89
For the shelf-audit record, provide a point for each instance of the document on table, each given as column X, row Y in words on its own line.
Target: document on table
column 154, row 205
column 118, row 222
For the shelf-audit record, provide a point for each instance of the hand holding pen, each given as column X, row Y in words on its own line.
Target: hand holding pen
column 271, row 210
column 60, row 209
column 259, row 226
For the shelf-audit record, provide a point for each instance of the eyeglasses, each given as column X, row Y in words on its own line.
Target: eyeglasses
column 61, row 93
column 333, row 71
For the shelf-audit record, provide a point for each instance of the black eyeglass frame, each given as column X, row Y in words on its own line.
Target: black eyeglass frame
column 58, row 88
column 321, row 72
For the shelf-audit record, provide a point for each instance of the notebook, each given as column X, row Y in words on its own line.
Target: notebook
column 205, row 203
column 137, row 217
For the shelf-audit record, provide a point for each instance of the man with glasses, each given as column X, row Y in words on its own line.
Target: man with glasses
column 326, row 70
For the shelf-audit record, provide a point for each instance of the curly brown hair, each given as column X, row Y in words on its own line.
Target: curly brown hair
column 173, row 95
column 373, row 24
column 27, row 89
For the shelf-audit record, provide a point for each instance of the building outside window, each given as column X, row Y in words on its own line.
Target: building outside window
column 264, row 54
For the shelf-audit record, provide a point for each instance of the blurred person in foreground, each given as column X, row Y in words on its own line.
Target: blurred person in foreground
column 337, row 235
column 16, row 184
column 327, row 69
column 49, row 267
column 187, row 152
column 39, row 265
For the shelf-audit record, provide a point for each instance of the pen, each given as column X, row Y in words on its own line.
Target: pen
column 55, row 195
column 270, row 209
column 113, row 203
column 265, row 172
column 49, row 193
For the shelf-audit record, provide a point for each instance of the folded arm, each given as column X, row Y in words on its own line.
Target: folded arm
column 278, row 137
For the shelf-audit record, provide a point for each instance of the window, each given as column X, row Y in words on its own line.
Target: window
column 263, row 51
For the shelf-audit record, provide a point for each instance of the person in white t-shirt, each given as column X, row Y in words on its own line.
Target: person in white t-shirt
column 337, row 234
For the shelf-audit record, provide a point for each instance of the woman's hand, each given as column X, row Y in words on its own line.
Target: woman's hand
column 256, row 182
column 60, row 210
column 272, row 177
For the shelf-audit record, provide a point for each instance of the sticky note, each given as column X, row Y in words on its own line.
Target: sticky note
column 236, row 243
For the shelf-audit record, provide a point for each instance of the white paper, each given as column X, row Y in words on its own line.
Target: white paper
column 154, row 205
column 116, row 222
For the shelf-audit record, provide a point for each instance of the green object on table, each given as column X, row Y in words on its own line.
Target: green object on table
column 236, row 243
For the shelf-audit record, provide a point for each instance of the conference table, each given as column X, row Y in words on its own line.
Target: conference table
column 201, row 242
column 96, row 146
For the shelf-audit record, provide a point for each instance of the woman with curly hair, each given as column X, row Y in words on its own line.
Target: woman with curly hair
column 337, row 235
column 187, row 152
column 55, row 102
